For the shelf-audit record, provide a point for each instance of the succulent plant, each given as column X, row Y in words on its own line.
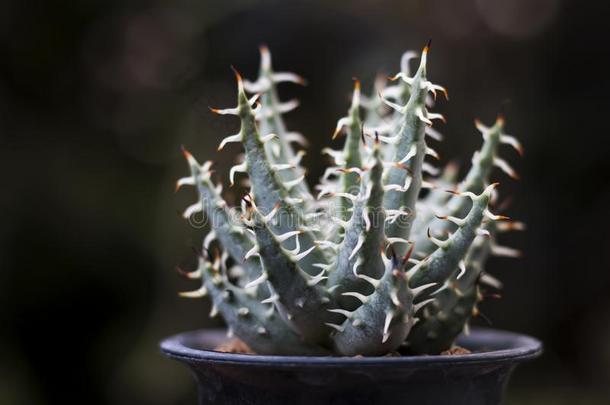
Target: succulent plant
column 362, row 267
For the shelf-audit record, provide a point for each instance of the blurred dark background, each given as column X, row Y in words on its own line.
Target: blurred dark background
column 97, row 96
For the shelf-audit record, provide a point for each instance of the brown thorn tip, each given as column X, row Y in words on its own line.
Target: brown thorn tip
column 503, row 107
column 520, row 150
column 356, row 83
column 500, row 119
column 185, row 152
column 237, row 75
column 408, row 254
column 181, row 272
column 427, row 47
column 263, row 48
column 214, row 110
column 404, row 166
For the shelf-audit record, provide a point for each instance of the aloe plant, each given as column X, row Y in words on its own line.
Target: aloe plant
column 386, row 255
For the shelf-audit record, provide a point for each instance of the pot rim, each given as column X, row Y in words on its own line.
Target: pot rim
column 504, row 347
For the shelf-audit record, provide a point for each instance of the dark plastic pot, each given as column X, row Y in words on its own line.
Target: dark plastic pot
column 477, row 378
